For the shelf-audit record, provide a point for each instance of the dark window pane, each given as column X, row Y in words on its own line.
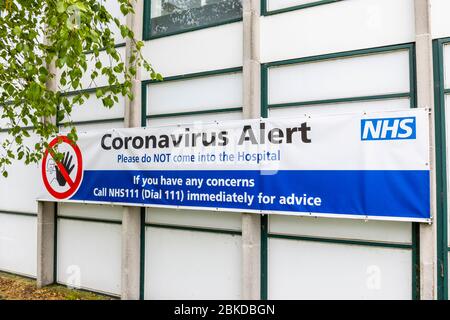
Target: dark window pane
column 171, row 16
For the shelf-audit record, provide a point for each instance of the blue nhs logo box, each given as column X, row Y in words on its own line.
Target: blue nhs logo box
column 388, row 128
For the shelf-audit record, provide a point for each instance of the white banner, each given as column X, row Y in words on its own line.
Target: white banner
column 373, row 165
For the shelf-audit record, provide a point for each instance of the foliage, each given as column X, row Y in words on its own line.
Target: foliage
column 62, row 42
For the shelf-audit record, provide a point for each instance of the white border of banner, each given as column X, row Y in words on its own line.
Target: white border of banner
column 264, row 212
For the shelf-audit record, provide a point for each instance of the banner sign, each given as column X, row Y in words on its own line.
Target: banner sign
column 368, row 166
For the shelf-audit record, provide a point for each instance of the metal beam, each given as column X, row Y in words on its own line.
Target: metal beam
column 251, row 223
column 131, row 219
column 46, row 219
column 425, row 99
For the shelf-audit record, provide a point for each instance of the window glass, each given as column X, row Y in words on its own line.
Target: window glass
column 171, row 16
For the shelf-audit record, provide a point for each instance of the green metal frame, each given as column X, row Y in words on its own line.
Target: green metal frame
column 98, row 121
column 55, row 244
column 143, row 214
column 57, row 217
column 264, row 257
column 415, row 261
column 415, row 225
column 340, row 55
column 144, row 117
column 192, row 113
column 85, row 219
column 75, row 123
column 341, row 100
column 441, row 168
column 266, row 12
column 365, row 243
column 142, row 257
column 118, row 45
column 147, row 34
column 265, row 106
column 194, row 75
column 19, row 213
column 194, row 229
column 2, row 130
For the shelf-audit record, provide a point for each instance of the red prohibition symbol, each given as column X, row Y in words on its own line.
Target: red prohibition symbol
column 63, row 170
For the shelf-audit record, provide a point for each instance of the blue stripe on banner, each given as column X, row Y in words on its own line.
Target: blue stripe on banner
column 402, row 194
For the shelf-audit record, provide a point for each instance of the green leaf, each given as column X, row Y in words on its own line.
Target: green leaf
column 108, row 102
column 17, row 31
column 99, row 93
column 60, row 6
column 80, row 6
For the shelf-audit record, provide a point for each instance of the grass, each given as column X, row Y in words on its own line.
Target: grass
column 14, row 287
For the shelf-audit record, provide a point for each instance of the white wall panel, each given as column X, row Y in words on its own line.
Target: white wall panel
column 341, row 26
column 281, row 4
column 205, row 93
column 312, row 270
column 18, row 235
column 384, row 231
column 195, row 218
column 440, row 24
column 93, row 211
column 89, row 255
column 4, row 122
column 365, row 75
column 192, row 265
column 195, row 119
column 113, row 8
column 339, row 108
column 93, row 109
column 20, row 190
column 201, row 50
column 446, row 66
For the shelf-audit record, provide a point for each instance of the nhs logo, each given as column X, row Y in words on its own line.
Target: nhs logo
column 388, row 128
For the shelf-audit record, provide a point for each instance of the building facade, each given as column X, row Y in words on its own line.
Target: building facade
column 233, row 59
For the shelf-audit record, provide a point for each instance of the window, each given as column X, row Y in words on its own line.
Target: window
column 175, row 16
column 377, row 78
